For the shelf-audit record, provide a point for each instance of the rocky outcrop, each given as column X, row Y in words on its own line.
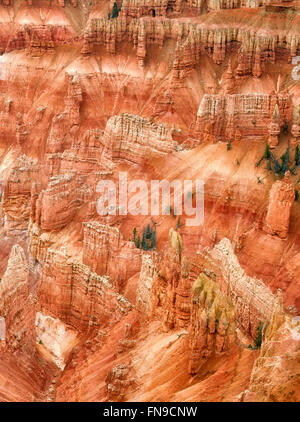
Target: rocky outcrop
column 85, row 98
column 134, row 138
column 25, row 373
column 119, row 382
column 164, row 288
column 143, row 297
column 253, row 300
column 274, row 127
column 295, row 130
column 287, row 280
column 107, row 253
column 140, row 33
column 39, row 242
column 212, row 326
column 275, row 375
column 64, row 195
column 65, row 125
column 16, row 304
column 85, row 155
column 55, row 337
column 32, row 2
column 17, row 194
column 59, row 2
column 126, row 137
column 281, row 199
column 193, row 41
column 137, row 9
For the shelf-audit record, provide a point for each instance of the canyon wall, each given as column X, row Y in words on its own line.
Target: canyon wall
column 222, row 116
column 78, row 296
column 86, row 311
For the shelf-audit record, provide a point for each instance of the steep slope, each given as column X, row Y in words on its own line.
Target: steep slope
column 129, row 306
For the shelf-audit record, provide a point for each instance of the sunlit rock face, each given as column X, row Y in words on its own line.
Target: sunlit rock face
column 133, row 307
column 57, row 339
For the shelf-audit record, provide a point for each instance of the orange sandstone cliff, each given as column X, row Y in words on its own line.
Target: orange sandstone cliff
column 132, row 307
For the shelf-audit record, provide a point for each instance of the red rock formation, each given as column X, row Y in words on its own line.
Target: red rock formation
column 275, row 372
column 119, row 382
column 17, row 193
column 15, row 298
column 274, row 128
column 28, row 373
column 65, row 125
column 133, row 138
column 106, row 253
column 252, row 300
column 212, row 327
column 85, row 97
column 78, row 296
column 138, row 9
column 281, row 199
column 295, row 130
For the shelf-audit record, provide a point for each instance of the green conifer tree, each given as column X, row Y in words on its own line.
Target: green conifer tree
column 115, row 11
column 267, row 153
column 144, row 241
column 138, row 242
column 148, row 232
column 259, row 335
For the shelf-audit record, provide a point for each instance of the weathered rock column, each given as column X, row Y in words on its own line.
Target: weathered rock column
column 274, row 128
column 282, row 196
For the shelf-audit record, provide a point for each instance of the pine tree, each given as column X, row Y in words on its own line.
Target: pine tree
column 115, row 11
column 144, row 241
column 138, row 242
column 229, row 146
column 296, row 195
column 259, row 335
column 148, row 232
column 178, row 223
column 267, row 153
column 297, row 155
column 285, row 158
column 134, row 235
